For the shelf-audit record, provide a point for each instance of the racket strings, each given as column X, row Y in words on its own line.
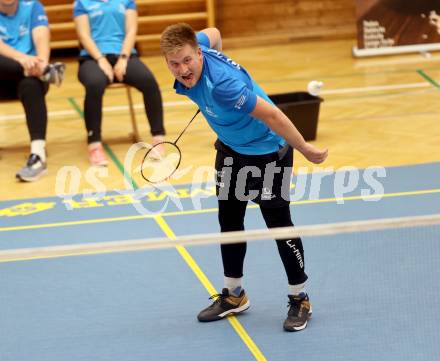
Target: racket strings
column 160, row 162
column 163, row 159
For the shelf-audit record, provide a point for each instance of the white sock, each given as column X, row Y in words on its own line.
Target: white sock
column 38, row 147
column 295, row 290
column 94, row 144
column 233, row 285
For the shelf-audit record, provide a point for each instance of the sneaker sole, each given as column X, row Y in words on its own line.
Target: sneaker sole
column 229, row 312
column 31, row 179
column 235, row 310
column 300, row 328
column 101, row 164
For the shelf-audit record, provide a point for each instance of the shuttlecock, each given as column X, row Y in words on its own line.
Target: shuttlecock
column 314, row 87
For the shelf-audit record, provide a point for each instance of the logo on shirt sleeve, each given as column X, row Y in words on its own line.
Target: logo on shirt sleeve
column 42, row 18
column 240, row 102
column 93, row 7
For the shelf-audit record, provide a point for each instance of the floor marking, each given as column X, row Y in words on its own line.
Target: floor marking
column 428, row 78
column 211, row 210
column 236, row 325
column 62, row 113
column 374, row 88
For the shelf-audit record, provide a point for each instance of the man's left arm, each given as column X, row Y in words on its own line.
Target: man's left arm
column 276, row 120
column 215, row 38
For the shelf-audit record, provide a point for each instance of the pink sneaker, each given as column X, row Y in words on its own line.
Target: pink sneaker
column 159, row 150
column 96, row 155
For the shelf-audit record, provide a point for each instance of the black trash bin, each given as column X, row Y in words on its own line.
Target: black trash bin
column 303, row 110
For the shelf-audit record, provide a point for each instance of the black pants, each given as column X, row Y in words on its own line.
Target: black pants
column 275, row 208
column 137, row 75
column 31, row 91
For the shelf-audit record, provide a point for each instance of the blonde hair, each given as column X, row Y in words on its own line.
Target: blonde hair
column 176, row 36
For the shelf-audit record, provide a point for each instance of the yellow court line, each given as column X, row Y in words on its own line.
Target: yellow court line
column 210, row 210
column 236, row 325
column 73, row 223
column 372, row 196
column 73, row 254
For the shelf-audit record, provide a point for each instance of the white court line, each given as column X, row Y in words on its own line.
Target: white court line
column 61, row 113
column 368, row 63
column 376, row 88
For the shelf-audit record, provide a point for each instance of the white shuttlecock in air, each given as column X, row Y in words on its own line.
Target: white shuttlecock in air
column 314, row 87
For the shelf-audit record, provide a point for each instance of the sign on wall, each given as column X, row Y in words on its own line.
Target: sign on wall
column 397, row 26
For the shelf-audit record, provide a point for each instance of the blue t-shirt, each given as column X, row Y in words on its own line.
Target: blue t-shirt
column 107, row 22
column 226, row 94
column 16, row 30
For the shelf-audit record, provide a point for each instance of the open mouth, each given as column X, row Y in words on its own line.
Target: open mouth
column 188, row 77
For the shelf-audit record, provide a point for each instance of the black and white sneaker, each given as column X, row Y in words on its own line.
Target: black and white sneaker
column 224, row 304
column 299, row 312
column 33, row 169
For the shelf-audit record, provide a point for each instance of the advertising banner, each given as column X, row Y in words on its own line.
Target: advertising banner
column 397, row 26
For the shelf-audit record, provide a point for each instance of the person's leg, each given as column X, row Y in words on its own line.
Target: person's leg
column 231, row 214
column 276, row 213
column 32, row 91
column 233, row 299
column 8, row 90
column 95, row 82
column 10, row 70
column 139, row 76
column 292, row 254
column 231, row 218
column 291, row 250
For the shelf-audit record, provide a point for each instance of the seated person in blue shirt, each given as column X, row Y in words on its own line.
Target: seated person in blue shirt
column 25, row 73
column 107, row 32
column 254, row 136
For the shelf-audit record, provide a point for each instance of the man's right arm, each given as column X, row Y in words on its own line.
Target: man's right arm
column 276, row 120
column 233, row 94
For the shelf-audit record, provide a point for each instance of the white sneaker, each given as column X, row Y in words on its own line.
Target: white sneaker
column 34, row 169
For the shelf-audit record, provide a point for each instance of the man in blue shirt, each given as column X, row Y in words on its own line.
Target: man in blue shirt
column 25, row 73
column 254, row 137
